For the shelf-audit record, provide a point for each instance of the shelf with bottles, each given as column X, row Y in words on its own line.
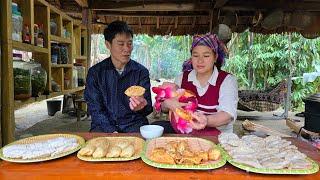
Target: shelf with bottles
column 28, row 47
column 24, row 17
column 30, row 75
column 41, row 25
column 61, row 54
column 22, row 21
column 55, row 23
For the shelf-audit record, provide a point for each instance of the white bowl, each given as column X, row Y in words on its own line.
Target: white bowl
column 151, row 131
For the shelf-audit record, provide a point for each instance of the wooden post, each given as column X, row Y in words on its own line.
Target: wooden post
column 89, row 32
column 7, row 101
column 210, row 20
column 289, row 83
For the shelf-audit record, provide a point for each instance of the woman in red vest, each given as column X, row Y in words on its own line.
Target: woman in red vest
column 215, row 90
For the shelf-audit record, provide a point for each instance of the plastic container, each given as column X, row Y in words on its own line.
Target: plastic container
column 53, row 106
column 26, row 36
column 38, row 78
column 64, row 54
column 53, row 27
column 22, row 78
column 55, row 53
column 17, row 23
column 66, row 83
column 40, row 39
column 74, row 77
column 81, row 74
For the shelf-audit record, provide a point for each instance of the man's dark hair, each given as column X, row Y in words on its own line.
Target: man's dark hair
column 116, row 27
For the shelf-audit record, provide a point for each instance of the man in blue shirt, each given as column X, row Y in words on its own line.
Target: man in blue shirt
column 110, row 109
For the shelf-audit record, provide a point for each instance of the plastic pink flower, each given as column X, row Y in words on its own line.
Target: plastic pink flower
column 183, row 126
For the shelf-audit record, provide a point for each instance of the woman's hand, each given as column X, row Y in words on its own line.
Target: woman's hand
column 172, row 104
column 137, row 103
column 199, row 121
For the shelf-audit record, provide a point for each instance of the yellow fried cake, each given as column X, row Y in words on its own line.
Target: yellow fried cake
column 135, row 91
column 184, row 114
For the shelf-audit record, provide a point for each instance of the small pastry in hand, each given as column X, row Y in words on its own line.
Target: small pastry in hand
column 189, row 93
column 184, row 114
column 135, row 91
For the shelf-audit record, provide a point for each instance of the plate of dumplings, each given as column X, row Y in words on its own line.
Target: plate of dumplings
column 270, row 155
column 182, row 153
column 111, row 149
column 41, row 148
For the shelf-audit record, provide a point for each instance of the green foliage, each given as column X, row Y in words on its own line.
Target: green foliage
column 269, row 60
column 162, row 55
column 272, row 58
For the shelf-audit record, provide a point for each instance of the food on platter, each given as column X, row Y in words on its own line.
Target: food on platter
column 40, row 149
column 103, row 148
column 127, row 151
column 122, row 144
column 135, row 91
column 180, row 152
column 271, row 152
column 184, row 114
column 114, row 152
column 160, row 155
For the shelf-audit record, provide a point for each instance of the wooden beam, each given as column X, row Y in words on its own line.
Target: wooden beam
column 152, row 14
column 176, row 22
column 140, row 23
column 7, row 96
column 286, row 5
column 158, row 22
column 82, row 3
column 220, row 3
column 149, row 6
column 210, row 21
column 194, row 22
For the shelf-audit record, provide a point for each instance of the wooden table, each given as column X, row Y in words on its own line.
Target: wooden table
column 71, row 167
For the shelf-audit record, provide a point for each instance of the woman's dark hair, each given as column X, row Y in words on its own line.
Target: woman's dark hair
column 116, row 27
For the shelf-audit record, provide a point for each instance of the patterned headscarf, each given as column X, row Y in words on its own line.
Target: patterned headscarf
column 213, row 42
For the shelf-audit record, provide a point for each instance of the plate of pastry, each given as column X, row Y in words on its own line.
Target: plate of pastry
column 182, row 153
column 111, row 149
column 41, row 148
column 270, row 155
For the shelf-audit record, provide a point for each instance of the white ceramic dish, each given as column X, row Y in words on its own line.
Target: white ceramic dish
column 151, row 131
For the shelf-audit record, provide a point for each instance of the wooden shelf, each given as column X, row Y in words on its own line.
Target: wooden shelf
column 28, row 47
column 81, row 57
column 60, row 39
column 21, row 103
column 74, row 90
column 61, row 65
